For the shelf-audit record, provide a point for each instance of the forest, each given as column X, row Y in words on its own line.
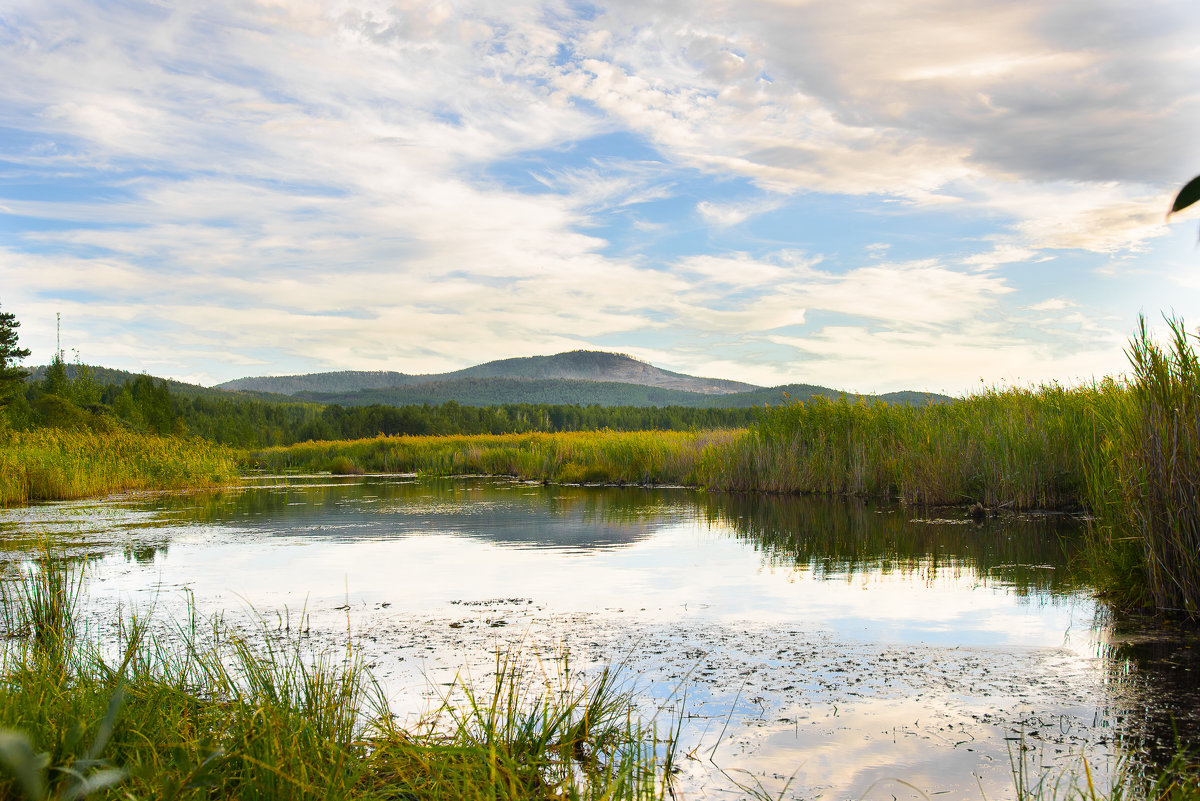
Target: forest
column 74, row 396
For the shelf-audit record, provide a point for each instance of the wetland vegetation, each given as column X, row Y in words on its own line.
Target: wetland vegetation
column 209, row 711
column 1123, row 452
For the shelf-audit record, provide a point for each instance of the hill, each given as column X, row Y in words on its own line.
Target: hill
column 368, row 388
column 576, row 365
column 496, row 391
column 108, row 376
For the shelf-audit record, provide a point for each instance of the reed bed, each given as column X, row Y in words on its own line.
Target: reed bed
column 61, row 464
column 1145, row 480
column 216, row 714
column 643, row 457
column 1018, row 448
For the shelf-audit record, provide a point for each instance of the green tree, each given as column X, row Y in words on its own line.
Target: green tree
column 55, row 381
column 12, row 377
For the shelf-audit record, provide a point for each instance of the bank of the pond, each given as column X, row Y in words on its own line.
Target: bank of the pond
column 643, row 457
column 216, row 713
column 1015, row 448
column 63, row 464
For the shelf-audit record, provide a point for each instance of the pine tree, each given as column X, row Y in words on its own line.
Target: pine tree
column 12, row 377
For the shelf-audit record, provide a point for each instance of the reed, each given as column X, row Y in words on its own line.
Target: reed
column 1019, row 448
column 643, row 457
column 1145, row 480
column 208, row 712
column 61, row 464
column 1022, row 448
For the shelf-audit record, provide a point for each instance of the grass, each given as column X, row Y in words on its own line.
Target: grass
column 1127, row 452
column 218, row 715
column 1020, row 448
column 1146, row 481
column 61, row 464
column 645, row 457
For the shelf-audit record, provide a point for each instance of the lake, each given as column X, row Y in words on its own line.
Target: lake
column 816, row 648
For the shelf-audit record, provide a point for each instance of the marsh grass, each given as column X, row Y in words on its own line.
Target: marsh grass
column 1018, row 448
column 204, row 711
column 61, row 464
column 1145, row 480
column 643, row 457
column 1178, row 780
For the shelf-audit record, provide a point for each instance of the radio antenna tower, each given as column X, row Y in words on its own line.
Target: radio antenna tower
column 58, row 335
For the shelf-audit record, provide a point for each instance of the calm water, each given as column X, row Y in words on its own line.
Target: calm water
column 838, row 649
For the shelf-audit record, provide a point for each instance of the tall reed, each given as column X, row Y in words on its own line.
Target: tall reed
column 1145, row 479
column 1019, row 447
column 640, row 457
column 1015, row 447
column 62, row 464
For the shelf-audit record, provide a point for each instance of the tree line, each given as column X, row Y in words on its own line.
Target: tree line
column 70, row 396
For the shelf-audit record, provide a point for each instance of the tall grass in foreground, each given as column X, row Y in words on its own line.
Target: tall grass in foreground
column 61, row 464
column 1146, row 480
column 219, row 715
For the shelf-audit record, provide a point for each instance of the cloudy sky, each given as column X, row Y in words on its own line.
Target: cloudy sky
column 866, row 195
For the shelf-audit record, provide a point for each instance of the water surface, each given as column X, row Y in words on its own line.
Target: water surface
column 840, row 650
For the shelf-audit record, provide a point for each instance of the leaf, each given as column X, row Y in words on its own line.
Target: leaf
column 101, row 780
column 18, row 759
column 1187, row 196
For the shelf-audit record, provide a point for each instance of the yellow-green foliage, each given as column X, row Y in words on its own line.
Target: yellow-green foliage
column 1022, row 447
column 657, row 457
column 1146, row 480
column 54, row 464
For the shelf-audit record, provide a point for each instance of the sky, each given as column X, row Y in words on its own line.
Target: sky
column 939, row 195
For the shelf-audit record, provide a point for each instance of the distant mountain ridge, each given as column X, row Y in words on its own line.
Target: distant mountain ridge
column 354, row 388
column 576, row 365
column 576, row 377
column 498, row 391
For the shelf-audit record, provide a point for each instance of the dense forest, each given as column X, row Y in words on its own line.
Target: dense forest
column 559, row 391
column 77, row 396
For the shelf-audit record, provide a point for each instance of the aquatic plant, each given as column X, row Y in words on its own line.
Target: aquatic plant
column 207, row 711
column 1145, row 479
column 642, row 457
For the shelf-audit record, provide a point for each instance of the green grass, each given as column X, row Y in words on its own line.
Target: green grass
column 643, row 457
column 214, row 714
column 61, row 464
column 1019, row 448
column 1146, row 481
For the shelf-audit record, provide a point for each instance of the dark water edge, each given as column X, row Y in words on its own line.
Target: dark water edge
column 1137, row 679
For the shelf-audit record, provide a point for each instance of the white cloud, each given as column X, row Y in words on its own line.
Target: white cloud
column 308, row 183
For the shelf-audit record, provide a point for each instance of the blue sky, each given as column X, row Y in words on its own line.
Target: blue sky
column 915, row 195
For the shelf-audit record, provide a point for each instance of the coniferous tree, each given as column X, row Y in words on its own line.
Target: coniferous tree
column 12, row 377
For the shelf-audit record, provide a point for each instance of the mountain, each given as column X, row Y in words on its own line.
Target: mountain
column 368, row 388
column 496, row 391
column 576, row 365
column 579, row 377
